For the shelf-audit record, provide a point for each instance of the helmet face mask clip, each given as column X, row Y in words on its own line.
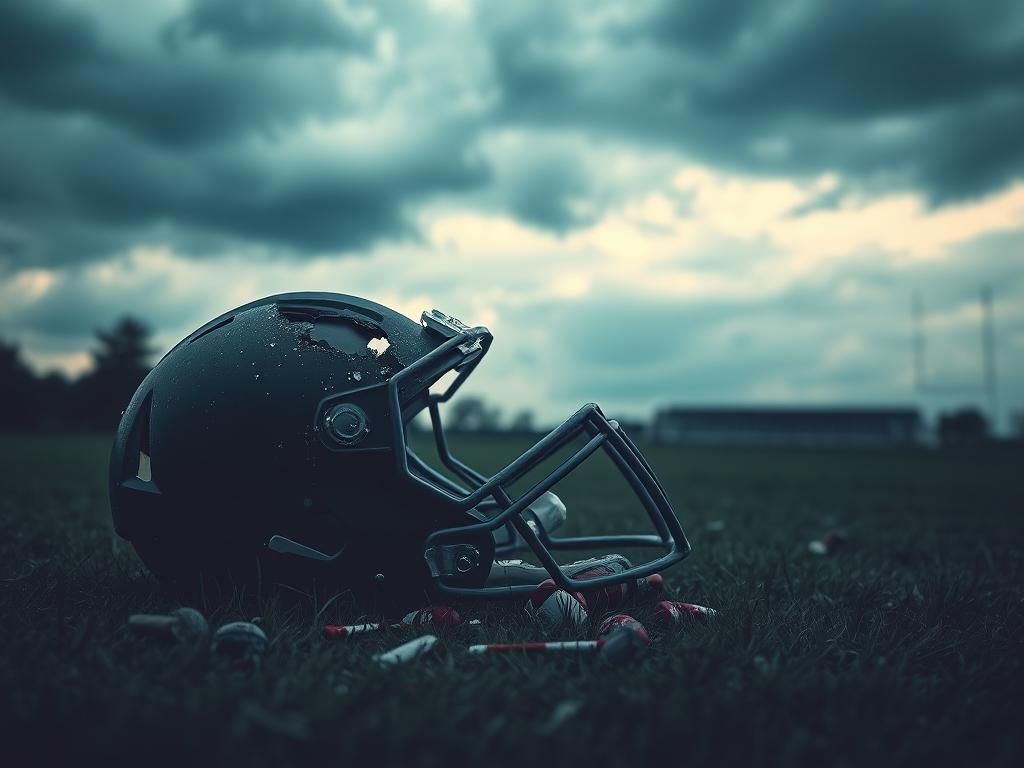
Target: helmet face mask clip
column 266, row 442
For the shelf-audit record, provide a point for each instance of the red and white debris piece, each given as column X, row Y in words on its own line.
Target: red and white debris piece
column 618, row 642
column 618, row 595
column 827, row 545
column 571, row 646
column 622, row 621
column 554, row 608
column 624, row 641
column 406, row 652
column 434, row 616
column 668, row 613
column 339, row 631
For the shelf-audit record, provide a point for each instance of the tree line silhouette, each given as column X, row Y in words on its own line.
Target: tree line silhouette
column 93, row 401
column 121, row 359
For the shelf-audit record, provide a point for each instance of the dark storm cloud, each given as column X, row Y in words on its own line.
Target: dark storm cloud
column 101, row 188
column 105, row 143
column 40, row 39
column 846, row 59
column 924, row 94
column 264, row 24
column 543, row 196
column 59, row 61
column 121, row 124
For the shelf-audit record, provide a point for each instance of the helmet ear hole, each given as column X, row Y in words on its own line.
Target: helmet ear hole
column 137, row 464
column 145, row 470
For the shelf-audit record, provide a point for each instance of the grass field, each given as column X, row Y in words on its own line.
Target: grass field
column 905, row 648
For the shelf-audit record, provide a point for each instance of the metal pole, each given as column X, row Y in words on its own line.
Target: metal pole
column 917, row 313
column 988, row 335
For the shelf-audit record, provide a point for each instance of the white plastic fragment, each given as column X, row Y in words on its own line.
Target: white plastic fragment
column 184, row 625
column 406, row 652
column 554, row 608
column 828, row 544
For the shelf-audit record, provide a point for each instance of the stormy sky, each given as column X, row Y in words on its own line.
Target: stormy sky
column 648, row 202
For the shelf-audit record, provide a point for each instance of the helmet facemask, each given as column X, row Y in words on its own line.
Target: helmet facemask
column 518, row 521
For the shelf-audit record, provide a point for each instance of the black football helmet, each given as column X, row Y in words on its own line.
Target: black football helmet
column 272, row 444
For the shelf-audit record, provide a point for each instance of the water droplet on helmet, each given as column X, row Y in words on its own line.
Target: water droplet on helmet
column 257, row 377
column 273, row 344
column 357, row 376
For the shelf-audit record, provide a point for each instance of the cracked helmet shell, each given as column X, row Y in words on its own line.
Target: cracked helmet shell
column 224, row 445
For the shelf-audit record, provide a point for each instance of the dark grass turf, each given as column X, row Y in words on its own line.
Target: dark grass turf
column 905, row 648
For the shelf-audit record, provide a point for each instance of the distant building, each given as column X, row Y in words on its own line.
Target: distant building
column 788, row 426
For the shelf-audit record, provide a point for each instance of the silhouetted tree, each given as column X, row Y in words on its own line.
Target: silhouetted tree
column 968, row 426
column 472, row 414
column 19, row 398
column 522, row 422
column 56, row 409
column 1018, row 425
column 120, row 363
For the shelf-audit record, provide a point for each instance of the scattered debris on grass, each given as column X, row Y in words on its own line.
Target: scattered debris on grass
column 434, row 616
column 619, row 639
column 240, row 640
column 554, row 608
column 668, row 613
column 406, row 652
column 828, row 544
column 184, row 625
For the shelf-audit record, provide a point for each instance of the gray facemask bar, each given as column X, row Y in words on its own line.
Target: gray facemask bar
column 547, row 513
column 462, row 352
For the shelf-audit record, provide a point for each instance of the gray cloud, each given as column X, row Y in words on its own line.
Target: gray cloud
column 193, row 129
column 542, row 191
column 850, row 60
column 842, row 333
column 915, row 95
column 269, row 24
column 62, row 61
column 564, row 181
column 85, row 190
column 106, row 143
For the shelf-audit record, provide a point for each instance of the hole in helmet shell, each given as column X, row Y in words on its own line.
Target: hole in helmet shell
column 348, row 336
column 144, row 471
column 378, row 346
